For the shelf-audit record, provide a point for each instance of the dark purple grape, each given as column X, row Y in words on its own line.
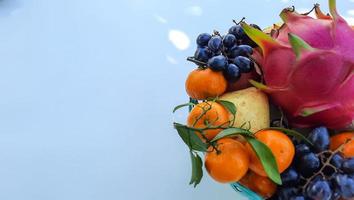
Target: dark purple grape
column 344, row 185
column 244, row 63
column 245, row 50
column 319, row 189
column 337, row 161
column 242, row 50
column 232, row 72
column 218, row 63
column 286, row 192
column 308, row 164
column 229, row 40
column 348, row 165
column 320, row 139
column 290, row 176
column 237, row 31
column 215, row 43
column 335, row 196
column 202, row 54
column 256, row 26
column 301, row 150
column 300, row 197
column 233, row 52
column 203, row 39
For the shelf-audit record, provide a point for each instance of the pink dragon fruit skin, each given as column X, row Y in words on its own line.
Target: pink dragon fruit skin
column 308, row 68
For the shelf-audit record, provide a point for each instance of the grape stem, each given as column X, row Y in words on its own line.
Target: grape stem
column 200, row 63
column 237, row 23
column 327, row 163
column 215, row 32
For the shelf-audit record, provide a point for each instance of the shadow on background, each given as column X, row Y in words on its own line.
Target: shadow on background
column 8, row 7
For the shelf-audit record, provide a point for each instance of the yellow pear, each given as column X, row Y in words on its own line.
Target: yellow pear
column 252, row 108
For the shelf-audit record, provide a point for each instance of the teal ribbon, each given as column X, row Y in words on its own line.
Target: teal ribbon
column 246, row 192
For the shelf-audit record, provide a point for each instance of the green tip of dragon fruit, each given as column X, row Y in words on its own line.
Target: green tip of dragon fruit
column 298, row 44
column 308, row 67
column 264, row 41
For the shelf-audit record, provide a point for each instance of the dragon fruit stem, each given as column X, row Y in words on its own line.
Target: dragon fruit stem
column 333, row 9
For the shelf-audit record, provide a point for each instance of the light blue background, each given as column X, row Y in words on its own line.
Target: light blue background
column 87, row 92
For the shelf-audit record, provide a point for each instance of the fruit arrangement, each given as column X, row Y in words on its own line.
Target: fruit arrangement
column 272, row 111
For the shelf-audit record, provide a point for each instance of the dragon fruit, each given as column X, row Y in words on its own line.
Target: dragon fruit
column 308, row 67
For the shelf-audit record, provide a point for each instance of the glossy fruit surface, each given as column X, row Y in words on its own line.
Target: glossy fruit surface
column 230, row 164
column 205, row 83
column 215, row 43
column 229, row 40
column 301, row 150
column 244, row 63
column 245, row 50
column 281, row 146
column 286, row 193
column 299, row 197
column 232, row 72
column 319, row 138
column 290, row 176
column 339, row 139
column 319, row 189
column 203, row 39
column 259, row 184
column 337, row 160
column 308, row 164
column 344, row 185
column 208, row 114
column 202, row 54
column 218, row 63
column 237, row 31
column 263, row 185
column 241, row 50
column 348, row 165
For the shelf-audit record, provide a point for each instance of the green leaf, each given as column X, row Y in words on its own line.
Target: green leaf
column 183, row 105
column 197, row 171
column 292, row 133
column 228, row 105
column 267, row 159
column 190, row 138
column 231, row 132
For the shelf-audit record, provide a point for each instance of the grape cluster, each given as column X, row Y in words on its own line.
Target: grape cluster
column 317, row 173
column 229, row 53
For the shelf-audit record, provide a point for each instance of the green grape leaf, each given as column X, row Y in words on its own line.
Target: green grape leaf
column 190, row 138
column 197, row 170
column 291, row 133
column 228, row 105
column 231, row 132
column 182, row 105
column 267, row 159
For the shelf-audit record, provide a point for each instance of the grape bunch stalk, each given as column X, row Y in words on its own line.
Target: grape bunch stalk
column 229, row 53
column 318, row 173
